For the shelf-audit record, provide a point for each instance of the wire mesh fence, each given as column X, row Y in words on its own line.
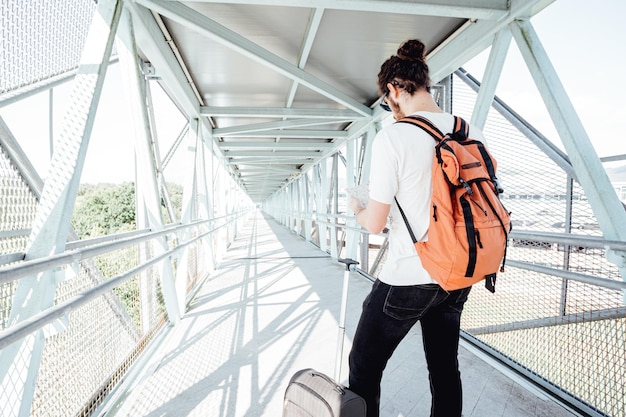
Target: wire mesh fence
column 566, row 335
column 88, row 351
column 571, row 335
column 17, row 211
column 99, row 339
column 38, row 41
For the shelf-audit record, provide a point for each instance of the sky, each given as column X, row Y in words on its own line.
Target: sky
column 583, row 39
column 110, row 155
column 585, row 43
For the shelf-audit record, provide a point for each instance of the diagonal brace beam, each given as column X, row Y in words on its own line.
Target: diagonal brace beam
column 583, row 157
column 208, row 27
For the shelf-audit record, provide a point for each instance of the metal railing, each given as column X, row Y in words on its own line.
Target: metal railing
column 108, row 306
column 562, row 328
column 558, row 315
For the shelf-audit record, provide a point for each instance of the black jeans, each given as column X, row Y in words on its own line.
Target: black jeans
column 388, row 314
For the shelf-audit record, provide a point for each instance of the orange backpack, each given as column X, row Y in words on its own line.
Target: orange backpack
column 469, row 226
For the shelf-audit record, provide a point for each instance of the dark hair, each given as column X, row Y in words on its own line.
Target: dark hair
column 407, row 69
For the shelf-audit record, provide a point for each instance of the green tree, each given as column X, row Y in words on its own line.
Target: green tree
column 104, row 209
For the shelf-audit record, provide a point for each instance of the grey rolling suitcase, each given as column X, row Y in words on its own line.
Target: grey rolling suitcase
column 313, row 394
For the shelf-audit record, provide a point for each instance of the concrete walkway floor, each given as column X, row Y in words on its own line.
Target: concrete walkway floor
column 271, row 308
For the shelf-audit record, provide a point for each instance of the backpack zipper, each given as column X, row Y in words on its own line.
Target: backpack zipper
column 479, row 206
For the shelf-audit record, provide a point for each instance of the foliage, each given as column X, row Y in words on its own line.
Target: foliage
column 106, row 209
column 176, row 198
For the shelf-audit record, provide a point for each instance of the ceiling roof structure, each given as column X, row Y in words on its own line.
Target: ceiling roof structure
column 282, row 84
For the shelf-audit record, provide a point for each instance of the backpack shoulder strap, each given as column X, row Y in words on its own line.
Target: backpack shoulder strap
column 460, row 126
column 425, row 124
column 406, row 221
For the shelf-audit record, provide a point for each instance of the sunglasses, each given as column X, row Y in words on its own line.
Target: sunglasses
column 383, row 104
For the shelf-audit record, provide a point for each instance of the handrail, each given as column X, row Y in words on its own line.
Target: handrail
column 569, row 239
column 532, row 236
column 34, row 266
column 544, row 237
column 39, row 320
column 74, row 244
column 81, row 243
column 573, row 276
column 12, row 257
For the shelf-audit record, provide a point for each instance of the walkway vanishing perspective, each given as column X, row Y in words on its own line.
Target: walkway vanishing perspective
column 271, row 308
column 169, row 300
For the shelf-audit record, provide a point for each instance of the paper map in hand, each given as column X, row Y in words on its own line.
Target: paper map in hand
column 361, row 193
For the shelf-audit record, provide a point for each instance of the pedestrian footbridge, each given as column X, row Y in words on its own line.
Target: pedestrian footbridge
column 173, row 207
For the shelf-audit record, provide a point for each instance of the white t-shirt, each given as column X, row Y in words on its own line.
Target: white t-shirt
column 402, row 158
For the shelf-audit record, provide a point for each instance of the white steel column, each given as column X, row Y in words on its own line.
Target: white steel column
column 220, row 209
column 367, row 156
column 222, row 205
column 292, row 207
column 592, row 177
column 297, row 203
column 363, row 179
column 225, row 191
column 188, row 212
column 287, row 206
column 334, row 251
column 157, row 154
column 308, row 204
column 19, row 363
column 205, row 188
column 352, row 236
column 322, row 204
column 147, row 188
column 284, row 206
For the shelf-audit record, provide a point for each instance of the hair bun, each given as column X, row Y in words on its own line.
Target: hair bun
column 411, row 50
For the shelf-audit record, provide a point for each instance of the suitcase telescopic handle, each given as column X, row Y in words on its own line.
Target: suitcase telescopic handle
column 342, row 315
column 348, row 262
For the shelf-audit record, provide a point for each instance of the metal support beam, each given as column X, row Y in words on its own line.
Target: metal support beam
column 147, row 187
column 14, row 151
column 321, row 208
column 542, row 142
column 260, row 127
column 585, row 317
column 204, row 184
column 589, row 170
column 477, row 9
column 157, row 153
column 202, row 24
column 290, row 133
column 306, row 178
column 149, row 37
column 334, row 205
column 474, row 37
column 19, row 363
column 279, row 112
column 352, row 236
